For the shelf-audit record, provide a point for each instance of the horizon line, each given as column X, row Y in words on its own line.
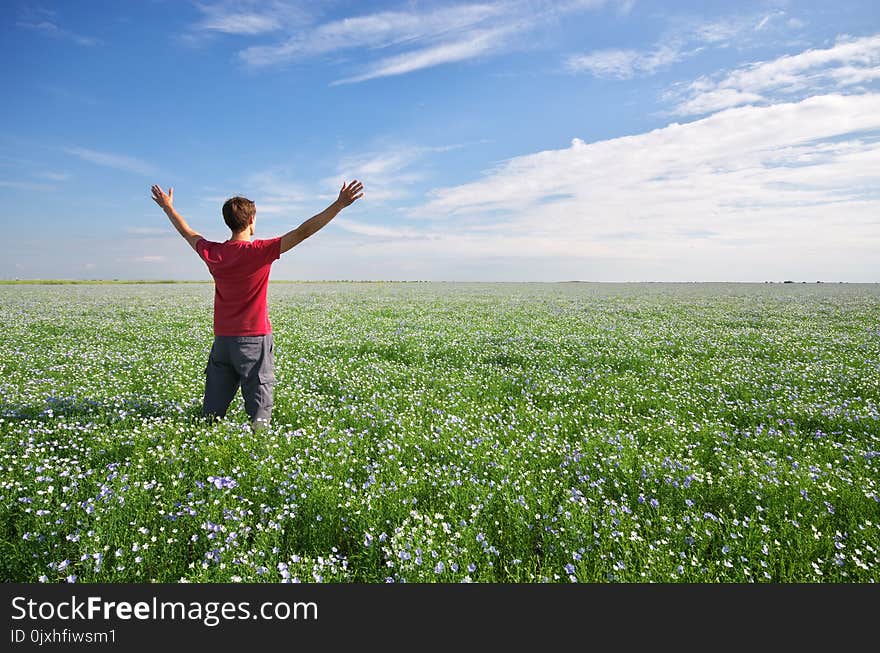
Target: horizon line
column 210, row 281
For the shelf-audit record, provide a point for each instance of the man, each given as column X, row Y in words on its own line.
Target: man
column 243, row 351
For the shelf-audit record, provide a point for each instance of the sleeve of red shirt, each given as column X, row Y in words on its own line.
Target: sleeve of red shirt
column 270, row 249
column 202, row 249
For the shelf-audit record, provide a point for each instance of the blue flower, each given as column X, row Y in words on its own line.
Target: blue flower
column 221, row 482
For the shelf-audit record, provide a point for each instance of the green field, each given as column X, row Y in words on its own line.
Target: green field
column 447, row 432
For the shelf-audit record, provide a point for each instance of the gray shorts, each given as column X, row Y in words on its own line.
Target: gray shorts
column 241, row 361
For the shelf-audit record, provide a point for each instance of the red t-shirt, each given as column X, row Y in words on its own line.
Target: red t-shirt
column 241, row 278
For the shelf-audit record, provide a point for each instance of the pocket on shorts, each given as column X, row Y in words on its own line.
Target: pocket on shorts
column 210, row 358
column 266, row 373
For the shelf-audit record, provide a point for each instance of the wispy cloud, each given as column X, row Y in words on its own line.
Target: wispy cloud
column 53, row 176
column 241, row 23
column 378, row 231
column 146, row 231
column 415, row 39
column 762, row 23
column 625, row 7
column 276, row 190
column 248, row 17
column 44, row 21
column 277, row 183
column 850, row 63
column 684, row 40
column 721, row 31
column 477, row 43
column 149, row 259
column 388, row 171
column 111, row 160
column 624, row 64
column 378, row 30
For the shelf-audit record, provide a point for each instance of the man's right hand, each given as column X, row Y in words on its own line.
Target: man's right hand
column 161, row 198
column 350, row 193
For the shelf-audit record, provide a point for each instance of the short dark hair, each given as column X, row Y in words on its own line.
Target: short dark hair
column 238, row 212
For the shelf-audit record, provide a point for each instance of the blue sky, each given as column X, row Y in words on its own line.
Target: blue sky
column 520, row 140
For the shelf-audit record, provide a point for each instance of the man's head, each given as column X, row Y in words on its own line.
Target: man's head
column 239, row 214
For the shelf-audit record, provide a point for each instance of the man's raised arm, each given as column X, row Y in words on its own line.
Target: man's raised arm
column 347, row 195
column 165, row 201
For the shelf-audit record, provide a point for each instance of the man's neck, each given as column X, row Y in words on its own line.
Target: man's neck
column 244, row 236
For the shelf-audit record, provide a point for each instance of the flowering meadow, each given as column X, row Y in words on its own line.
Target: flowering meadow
column 446, row 432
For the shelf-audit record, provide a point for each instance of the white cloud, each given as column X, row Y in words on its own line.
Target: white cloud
column 147, row 231
column 849, row 63
column 149, row 259
column 623, row 64
column 720, row 31
column 728, row 192
column 110, row 160
column 605, row 63
column 241, row 23
column 387, row 172
column 625, row 7
column 276, row 184
column 416, row 38
column 475, row 44
column 53, row 176
column 686, row 39
column 276, row 191
column 377, row 30
column 248, row 17
column 381, row 231
column 715, row 100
